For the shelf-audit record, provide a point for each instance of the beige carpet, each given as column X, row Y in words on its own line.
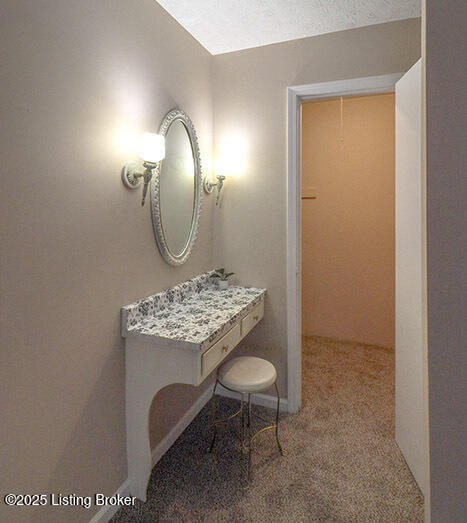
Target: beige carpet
column 342, row 463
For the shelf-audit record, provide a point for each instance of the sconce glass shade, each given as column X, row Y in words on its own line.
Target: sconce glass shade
column 223, row 166
column 152, row 147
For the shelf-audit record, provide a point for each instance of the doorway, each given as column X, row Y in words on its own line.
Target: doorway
column 348, row 303
column 296, row 95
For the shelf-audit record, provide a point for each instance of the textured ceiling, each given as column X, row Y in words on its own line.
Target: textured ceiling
column 222, row 26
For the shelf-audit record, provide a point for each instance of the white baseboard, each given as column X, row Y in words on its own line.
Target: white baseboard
column 264, row 400
column 181, row 425
column 105, row 513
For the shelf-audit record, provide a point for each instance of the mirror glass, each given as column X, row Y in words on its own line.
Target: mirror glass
column 176, row 190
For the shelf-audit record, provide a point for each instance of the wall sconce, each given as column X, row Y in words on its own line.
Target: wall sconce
column 152, row 151
column 209, row 186
column 229, row 163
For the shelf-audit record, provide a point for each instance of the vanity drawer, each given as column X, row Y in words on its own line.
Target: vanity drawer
column 215, row 354
column 251, row 319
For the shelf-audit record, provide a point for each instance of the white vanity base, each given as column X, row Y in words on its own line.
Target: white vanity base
column 153, row 363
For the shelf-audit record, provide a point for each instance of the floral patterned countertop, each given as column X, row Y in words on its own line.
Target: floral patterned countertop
column 195, row 312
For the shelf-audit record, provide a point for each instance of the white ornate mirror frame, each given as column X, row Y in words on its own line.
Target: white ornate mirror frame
column 167, row 254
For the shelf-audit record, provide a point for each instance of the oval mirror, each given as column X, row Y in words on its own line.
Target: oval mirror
column 176, row 189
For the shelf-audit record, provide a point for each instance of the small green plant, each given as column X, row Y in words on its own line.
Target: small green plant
column 222, row 275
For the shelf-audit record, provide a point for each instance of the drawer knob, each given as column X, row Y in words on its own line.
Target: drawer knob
column 225, row 348
column 255, row 318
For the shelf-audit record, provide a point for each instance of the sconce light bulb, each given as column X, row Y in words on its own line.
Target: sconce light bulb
column 152, row 147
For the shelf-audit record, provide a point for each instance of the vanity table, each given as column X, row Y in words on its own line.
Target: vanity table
column 180, row 335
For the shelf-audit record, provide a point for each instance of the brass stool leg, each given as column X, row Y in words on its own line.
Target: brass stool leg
column 249, row 436
column 242, row 423
column 277, row 420
column 214, row 424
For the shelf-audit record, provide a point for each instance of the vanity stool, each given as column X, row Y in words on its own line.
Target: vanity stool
column 246, row 375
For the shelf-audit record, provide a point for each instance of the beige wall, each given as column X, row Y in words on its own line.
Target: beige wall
column 75, row 244
column 446, row 116
column 348, row 155
column 250, row 102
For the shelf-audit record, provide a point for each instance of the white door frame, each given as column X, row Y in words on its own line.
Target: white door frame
column 295, row 95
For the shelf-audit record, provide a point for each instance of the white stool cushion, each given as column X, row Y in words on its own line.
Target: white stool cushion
column 247, row 374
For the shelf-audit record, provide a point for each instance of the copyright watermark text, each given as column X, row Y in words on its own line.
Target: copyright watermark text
column 67, row 500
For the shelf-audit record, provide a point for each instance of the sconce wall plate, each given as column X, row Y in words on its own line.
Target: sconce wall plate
column 209, row 186
column 129, row 177
column 132, row 177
